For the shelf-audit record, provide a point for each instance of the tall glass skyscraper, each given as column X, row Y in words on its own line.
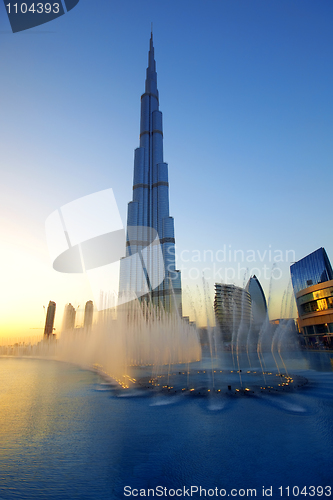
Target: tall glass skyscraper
column 149, row 269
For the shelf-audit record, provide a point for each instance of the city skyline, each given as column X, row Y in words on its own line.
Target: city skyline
column 245, row 92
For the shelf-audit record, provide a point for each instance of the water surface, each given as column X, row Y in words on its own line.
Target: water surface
column 66, row 435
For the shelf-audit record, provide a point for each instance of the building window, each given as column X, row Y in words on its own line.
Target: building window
column 322, row 304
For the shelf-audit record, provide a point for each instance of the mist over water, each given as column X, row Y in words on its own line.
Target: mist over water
column 136, row 336
column 131, row 335
column 141, row 348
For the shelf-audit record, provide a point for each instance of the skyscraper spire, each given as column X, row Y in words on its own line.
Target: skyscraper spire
column 151, row 77
column 150, row 206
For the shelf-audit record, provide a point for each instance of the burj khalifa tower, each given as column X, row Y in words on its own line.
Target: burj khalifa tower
column 149, row 269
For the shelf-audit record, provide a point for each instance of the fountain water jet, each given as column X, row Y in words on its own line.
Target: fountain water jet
column 139, row 345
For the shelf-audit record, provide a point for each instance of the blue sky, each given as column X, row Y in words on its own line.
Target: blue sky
column 245, row 91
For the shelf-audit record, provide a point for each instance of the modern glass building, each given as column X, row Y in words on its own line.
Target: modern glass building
column 315, row 314
column 312, row 279
column 147, row 258
column 258, row 302
column 232, row 307
column 313, row 269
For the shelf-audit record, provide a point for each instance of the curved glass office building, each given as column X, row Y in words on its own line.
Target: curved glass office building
column 258, row 302
column 315, row 314
column 313, row 269
column 312, row 279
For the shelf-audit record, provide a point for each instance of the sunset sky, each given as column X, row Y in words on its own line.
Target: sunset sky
column 246, row 95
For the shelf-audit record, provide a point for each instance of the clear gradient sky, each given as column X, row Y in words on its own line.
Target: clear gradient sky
column 246, row 94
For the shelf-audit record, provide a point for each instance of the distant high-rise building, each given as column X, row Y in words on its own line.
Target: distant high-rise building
column 69, row 317
column 313, row 269
column 312, row 279
column 232, row 306
column 88, row 314
column 150, row 209
column 258, row 302
column 49, row 322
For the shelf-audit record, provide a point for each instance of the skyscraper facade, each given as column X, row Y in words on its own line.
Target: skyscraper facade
column 49, row 322
column 148, row 212
column 232, row 307
column 88, row 315
column 258, row 302
column 68, row 322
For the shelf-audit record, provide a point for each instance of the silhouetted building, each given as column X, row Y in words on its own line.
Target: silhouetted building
column 88, row 315
column 69, row 317
column 49, row 322
column 150, row 209
column 232, row 306
column 258, row 302
column 312, row 279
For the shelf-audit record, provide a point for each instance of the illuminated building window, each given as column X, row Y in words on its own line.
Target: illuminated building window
column 322, row 304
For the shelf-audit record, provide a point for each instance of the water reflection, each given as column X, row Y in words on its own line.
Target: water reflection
column 63, row 439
